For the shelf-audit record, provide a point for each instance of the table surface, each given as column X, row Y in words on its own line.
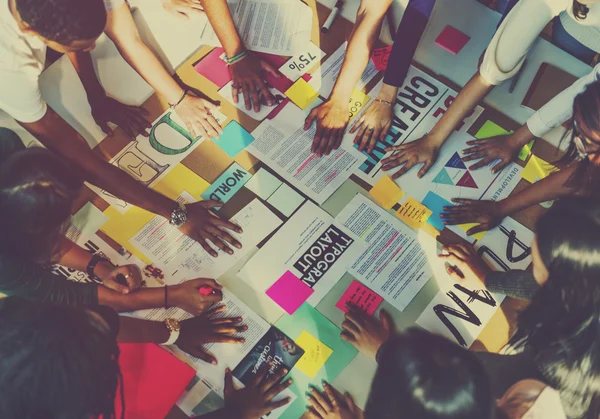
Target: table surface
column 62, row 89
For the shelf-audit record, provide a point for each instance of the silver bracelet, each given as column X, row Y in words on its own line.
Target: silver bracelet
column 172, row 105
column 385, row 101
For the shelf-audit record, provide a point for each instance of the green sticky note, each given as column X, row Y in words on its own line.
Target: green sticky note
column 307, row 321
column 491, row 129
column 526, row 151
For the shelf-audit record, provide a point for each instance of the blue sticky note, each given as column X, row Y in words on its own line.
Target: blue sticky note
column 436, row 204
column 227, row 184
column 234, row 139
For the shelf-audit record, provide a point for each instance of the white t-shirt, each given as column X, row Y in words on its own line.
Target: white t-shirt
column 560, row 108
column 513, row 39
column 22, row 59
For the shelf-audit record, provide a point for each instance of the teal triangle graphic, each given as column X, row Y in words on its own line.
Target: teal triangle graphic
column 456, row 161
column 444, row 178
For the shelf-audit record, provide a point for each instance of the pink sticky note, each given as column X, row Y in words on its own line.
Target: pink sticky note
column 380, row 57
column 214, row 68
column 289, row 292
column 281, row 83
column 275, row 60
column 452, row 40
column 360, row 296
column 306, row 77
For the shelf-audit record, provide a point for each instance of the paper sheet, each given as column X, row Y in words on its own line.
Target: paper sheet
column 286, row 200
column 394, row 265
column 289, row 292
column 263, row 184
column 86, row 222
column 452, row 40
column 386, row 192
column 537, row 169
column 283, row 145
column 311, row 245
column 420, row 103
column 302, row 94
column 380, row 57
column 302, row 63
column 316, row 353
column 227, row 184
column 358, row 101
column 214, row 67
column 325, row 76
column 149, row 159
column 181, row 258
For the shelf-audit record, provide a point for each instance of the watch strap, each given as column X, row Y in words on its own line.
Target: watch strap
column 92, row 265
column 174, row 335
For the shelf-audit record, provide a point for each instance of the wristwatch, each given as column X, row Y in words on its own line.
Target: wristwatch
column 179, row 216
column 173, row 327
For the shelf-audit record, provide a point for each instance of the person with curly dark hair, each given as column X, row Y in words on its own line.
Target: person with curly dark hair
column 28, row 28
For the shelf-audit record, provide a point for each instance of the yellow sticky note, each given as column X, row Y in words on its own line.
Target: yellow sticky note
column 302, row 93
column 357, row 101
column 466, row 227
column 413, row 213
column 122, row 227
column 386, row 192
column 315, row 354
column 537, row 169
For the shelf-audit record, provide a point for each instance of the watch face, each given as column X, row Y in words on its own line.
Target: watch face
column 172, row 324
column 178, row 217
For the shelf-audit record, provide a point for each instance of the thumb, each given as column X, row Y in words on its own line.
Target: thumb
column 229, row 388
column 269, row 68
column 114, row 285
column 310, row 119
column 211, row 203
column 386, row 320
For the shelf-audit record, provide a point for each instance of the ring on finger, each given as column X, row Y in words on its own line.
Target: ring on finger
column 370, row 129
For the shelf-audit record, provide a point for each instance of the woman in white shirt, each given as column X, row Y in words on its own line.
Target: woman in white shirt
column 580, row 103
column 502, row 60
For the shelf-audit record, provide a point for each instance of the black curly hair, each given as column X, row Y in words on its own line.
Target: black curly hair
column 64, row 21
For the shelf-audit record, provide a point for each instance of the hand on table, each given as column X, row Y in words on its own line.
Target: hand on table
column 332, row 119
column 198, row 331
column 131, row 273
column 256, row 399
column 486, row 213
column 365, row 332
column 490, row 149
column 186, row 295
column 203, row 226
column 247, row 79
column 196, row 114
column 465, row 263
column 129, row 118
column 373, row 125
column 183, row 8
column 424, row 150
column 331, row 404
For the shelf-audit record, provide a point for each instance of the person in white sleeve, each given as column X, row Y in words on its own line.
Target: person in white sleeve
column 28, row 27
column 579, row 104
column 502, row 60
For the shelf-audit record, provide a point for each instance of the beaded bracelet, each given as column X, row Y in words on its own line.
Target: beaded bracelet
column 384, row 101
column 236, row 58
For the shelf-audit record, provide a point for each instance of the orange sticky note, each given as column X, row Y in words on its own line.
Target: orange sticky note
column 386, row 192
column 413, row 213
column 302, row 93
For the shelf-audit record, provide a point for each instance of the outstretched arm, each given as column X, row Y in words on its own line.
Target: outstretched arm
column 332, row 117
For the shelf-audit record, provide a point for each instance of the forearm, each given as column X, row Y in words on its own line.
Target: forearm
column 358, row 53
column 60, row 137
column 138, row 300
column 547, row 189
column 133, row 330
column 469, row 97
column 82, row 61
column 220, row 18
column 407, row 39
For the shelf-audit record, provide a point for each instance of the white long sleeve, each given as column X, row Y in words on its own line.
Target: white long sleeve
column 514, row 38
column 560, row 108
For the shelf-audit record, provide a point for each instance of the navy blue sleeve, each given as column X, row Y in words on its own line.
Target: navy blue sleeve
column 407, row 39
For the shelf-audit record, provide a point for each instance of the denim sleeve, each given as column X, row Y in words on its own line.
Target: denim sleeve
column 407, row 39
